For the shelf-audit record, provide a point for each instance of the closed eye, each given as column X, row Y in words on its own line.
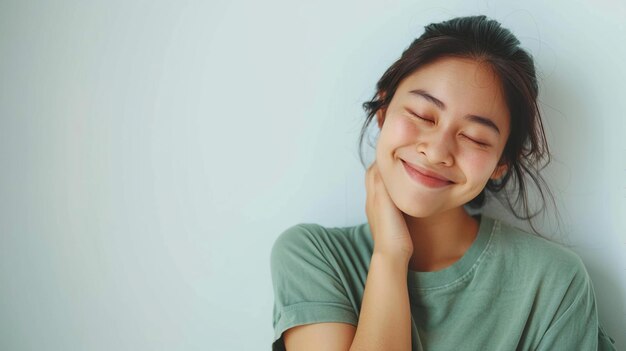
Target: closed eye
column 482, row 145
column 419, row 117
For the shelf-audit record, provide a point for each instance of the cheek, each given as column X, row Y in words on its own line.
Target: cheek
column 478, row 165
column 403, row 128
column 398, row 131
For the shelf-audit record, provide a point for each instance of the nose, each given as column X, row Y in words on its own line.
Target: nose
column 436, row 148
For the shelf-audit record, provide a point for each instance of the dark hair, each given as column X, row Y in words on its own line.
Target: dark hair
column 477, row 37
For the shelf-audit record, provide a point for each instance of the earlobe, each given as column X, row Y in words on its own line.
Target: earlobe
column 499, row 172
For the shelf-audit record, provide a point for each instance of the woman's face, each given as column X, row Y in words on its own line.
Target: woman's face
column 447, row 141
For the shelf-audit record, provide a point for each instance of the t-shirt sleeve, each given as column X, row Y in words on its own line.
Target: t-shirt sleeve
column 307, row 287
column 575, row 325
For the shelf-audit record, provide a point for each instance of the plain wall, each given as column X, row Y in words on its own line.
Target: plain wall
column 152, row 151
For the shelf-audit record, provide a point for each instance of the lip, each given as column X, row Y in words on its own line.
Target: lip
column 425, row 177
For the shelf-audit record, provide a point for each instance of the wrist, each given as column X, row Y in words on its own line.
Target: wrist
column 398, row 260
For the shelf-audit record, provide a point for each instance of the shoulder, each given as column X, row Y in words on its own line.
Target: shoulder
column 311, row 239
column 296, row 234
column 531, row 250
column 301, row 237
column 537, row 265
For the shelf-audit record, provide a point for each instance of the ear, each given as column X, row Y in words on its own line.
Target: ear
column 499, row 171
column 380, row 117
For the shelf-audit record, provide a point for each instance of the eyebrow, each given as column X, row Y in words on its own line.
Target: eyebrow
column 472, row 118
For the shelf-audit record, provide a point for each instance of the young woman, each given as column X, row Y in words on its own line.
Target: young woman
column 458, row 117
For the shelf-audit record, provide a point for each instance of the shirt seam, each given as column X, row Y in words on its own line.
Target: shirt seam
column 308, row 304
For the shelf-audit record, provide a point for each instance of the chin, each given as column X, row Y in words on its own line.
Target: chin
column 416, row 209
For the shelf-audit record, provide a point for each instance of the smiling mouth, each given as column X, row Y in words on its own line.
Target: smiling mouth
column 423, row 179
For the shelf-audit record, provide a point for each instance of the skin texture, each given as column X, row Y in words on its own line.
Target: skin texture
column 440, row 228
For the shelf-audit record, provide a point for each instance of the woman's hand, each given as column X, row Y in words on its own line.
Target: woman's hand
column 389, row 230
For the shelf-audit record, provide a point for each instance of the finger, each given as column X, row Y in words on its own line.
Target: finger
column 380, row 189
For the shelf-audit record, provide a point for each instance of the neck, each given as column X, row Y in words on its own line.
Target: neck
column 441, row 239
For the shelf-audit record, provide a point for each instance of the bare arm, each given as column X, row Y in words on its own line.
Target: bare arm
column 319, row 336
column 385, row 317
column 384, row 320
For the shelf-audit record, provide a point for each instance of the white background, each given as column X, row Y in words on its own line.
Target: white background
column 152, row 151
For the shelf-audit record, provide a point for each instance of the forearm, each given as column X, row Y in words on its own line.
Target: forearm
column 385, row 316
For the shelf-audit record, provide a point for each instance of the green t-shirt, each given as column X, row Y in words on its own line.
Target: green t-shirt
column 511, row 290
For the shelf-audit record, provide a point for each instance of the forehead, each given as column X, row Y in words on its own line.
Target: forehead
column 466, row 86
column 463, row 71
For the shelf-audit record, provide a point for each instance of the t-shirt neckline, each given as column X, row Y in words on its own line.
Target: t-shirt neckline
column 455, row 272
